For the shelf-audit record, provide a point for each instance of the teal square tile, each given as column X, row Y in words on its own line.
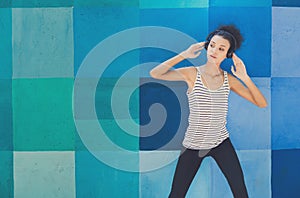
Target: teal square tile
column 6, row 130
column 5, row 3
column 110, row 98
column 144, row 4
column 41, row 3
column 43, row 42
column 5, row 40
column 6, row 176
column 42, row 114
column 106, row 3
column 97, row 179
column 153, row 185
column 107, row 135
column 44, row 174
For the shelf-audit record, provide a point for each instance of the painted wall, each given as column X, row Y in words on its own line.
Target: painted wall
column 73, row 117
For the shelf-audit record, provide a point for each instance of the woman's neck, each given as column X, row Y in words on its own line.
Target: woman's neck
column 212, row 69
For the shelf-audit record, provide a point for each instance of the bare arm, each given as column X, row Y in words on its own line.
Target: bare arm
column 163, row 71
column 250, row 92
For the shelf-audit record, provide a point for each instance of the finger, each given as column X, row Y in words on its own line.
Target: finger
column 232, row 70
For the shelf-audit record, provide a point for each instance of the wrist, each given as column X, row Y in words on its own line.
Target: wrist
column 183, row 55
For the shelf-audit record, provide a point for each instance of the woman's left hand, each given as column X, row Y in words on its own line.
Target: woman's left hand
column 240, row 68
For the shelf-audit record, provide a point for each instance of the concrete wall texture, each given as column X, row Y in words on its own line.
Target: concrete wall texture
column 81, row 117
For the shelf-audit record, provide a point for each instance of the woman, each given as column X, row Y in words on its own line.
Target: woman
column 208, row 90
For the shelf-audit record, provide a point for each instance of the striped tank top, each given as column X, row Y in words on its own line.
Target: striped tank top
column 208, row 115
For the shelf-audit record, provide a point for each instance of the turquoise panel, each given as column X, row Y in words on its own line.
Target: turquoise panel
column 173, row 4
column 157, row 183
column 239, row 3
column 99, row 24
column 41, row 3
column 6, row 130
column 256, row 165
column 95, row 179
column 106, row 3
column 44, row 174
column 285, row 39
column 42, row 114
column 7, row 175
column 5, row 40
column 43, row 42
column 250, row 126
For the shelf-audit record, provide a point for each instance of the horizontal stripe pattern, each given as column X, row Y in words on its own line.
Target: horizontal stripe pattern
column 208, row 114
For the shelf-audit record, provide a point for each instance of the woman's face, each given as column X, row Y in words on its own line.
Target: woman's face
column 217, row 49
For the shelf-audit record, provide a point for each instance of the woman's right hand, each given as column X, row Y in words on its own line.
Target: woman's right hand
column 193, row 51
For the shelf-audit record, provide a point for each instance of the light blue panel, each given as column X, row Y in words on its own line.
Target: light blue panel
column 250, row 126
column 173, row 4
column 157, row 183
column 285, row 39
column 239, row 3
column 256, row 165
column 99, row 24
column 95, row 179
column 5, row 40
column 285, row 113
column 42, row 42
column 44, row 174
column 255, row 26
column 6, row 176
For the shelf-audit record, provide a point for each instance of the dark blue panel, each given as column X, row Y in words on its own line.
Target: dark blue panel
column 286, row 3
column 6, row 132
column 255, row 25
column 154, row 92
column 285, row 173
column 93, row 25
column 192, row 21
column 285, row 113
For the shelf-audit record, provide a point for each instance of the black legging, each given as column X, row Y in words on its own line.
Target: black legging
column 226, row 158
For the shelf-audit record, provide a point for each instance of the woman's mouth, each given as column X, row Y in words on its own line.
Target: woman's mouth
column 213, row 56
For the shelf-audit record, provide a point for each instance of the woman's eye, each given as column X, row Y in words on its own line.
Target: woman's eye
column 211, row 45
column 221, row 49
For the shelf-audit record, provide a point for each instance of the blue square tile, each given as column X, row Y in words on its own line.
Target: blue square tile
column 285, row 113
column 6, row 129
column 5, row 40
column 285, row 36
column 286, row 3
column 164, row 123
column 248, row 3
column 7, row 175
column 153, row 185
column 41, row 3
column 96, row 179
column 100, row 24
column 43, row 42
column 255, row 26
column 192, row 21
column 250, row 126
column 256, row 166
column 5, row 4
column 285, row 173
